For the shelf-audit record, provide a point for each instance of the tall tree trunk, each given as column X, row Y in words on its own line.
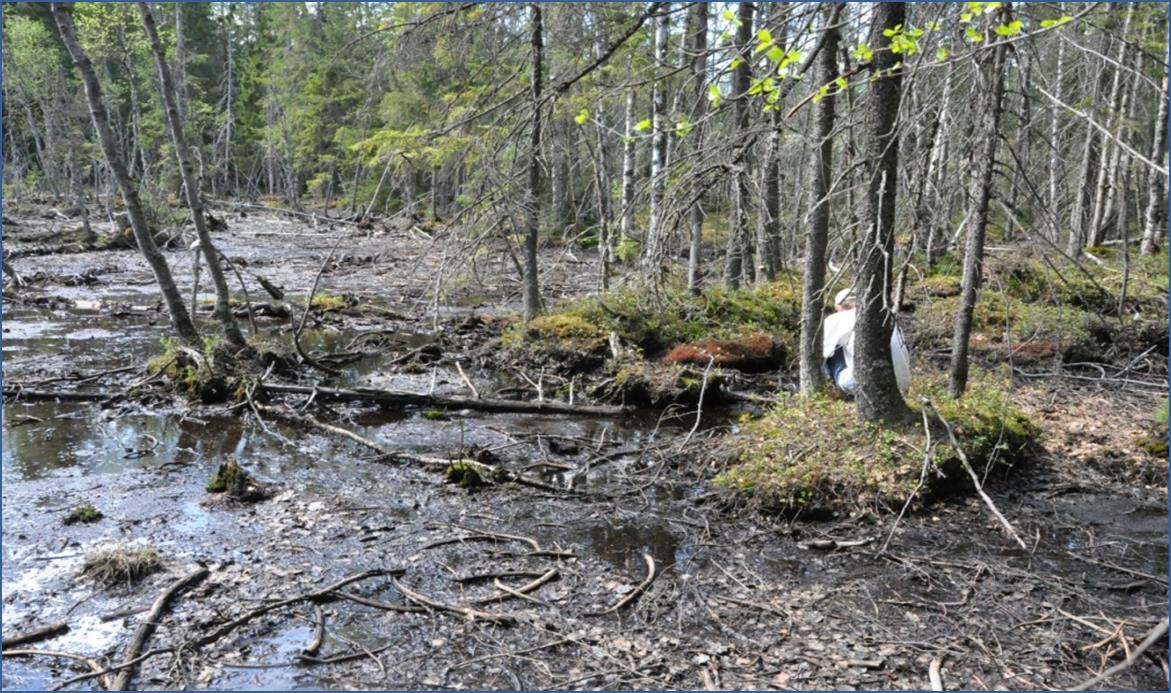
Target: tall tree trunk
column 180, row 64
column 628, row 164
column 1156, row 201
column 813, row 289
column 653, row 252
column 1106, row 167
column 768, row 241
column 697, row 33
column 532, row 289
column 158, row 264
column 223, row 307
column 736, row 260
column 877, row 394
column 993, row 91
column 1115, row 192
column 1055, row 117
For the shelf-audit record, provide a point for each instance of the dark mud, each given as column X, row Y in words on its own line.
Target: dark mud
column 739, row 600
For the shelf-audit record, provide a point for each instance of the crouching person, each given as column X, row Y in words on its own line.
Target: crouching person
column 838, row 346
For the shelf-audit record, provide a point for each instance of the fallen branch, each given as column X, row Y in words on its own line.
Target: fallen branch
column 934, row 675
column 35, row 635
column 441, row 402
column 637, row 591
column 325, row 593
column 975, row 478
column 20, row 392
column 472, row 614
column 1153, row 636
column 147, row 627
column 308, row 309
column 521, row 591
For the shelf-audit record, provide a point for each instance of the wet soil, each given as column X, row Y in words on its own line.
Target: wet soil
column 739, row 599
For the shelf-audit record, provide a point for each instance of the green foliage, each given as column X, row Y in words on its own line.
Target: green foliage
column 435, row 415
column 464, row 475
column 83, row 514
column 812, row 452
column 655, row 323
column 626, row 250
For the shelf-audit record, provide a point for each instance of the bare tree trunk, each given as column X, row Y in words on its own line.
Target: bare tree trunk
column 877, row 394
column 698, row 35
column 628, row 165
column 180, row 64
column 978, row 217
column 652, row 258
column 1106, row 167
column 532, row 290
column 1055, row 118
column 813, row 289
column 158, row 264
column 1116, row 193
column 736, row 262
column 223, row 305
column 1156, row 201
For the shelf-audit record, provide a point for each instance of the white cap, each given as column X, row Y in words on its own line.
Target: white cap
column 842, row 296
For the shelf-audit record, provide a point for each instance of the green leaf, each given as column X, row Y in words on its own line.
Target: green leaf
column 714, row 95
column 821, row 93
column 643, row 124
column 1013, row 28
column 842, row 83
column 583, row 117
column 729, row 15
column 863, row 53
column 683, row 127
column 736, row 62
column 775, row 54
column 966, row 17
column 1046, row 23
column 765, row 36
column 941, row 54
column 974, row 35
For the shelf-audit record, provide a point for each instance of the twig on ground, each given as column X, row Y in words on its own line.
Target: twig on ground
column 1153, row 636
column 35, row 635
column 637, row 592
column 149, row 622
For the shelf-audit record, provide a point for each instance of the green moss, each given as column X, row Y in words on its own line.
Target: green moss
column 655, row 322
column 435, row 415
column 464, row 475
column 231, row 480
column 329, row 303
column 1003, row 323
column 83, row 514
column 812, row 452
column 626, row 250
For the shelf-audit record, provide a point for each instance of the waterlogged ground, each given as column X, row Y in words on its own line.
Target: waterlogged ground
column 738, row 600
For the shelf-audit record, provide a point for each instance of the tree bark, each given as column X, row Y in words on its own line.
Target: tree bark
column 1105, row 167
column 223, row 307
column 1156, row 200
column 978, row 216
column 532, row 290
column 180, row 318
column 628, row 164
column 698, row 34
column 653, row 252
column 736, row 261
column 877, row 394
column 813, row 298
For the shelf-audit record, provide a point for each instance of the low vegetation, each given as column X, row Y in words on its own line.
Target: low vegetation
column 83, row 514
column 231, row 480
column 113, row 566
column 813, row 454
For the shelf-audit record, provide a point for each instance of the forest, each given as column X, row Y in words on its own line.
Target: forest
column 622, row 345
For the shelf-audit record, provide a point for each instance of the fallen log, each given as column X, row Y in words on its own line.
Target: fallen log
column 42, row 633
column 146, row 628
column 20, row 392
column 440, row 402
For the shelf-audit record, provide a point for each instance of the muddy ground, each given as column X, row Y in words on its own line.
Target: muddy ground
column 739, row 599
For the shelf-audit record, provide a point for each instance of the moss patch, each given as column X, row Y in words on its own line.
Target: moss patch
column 83, row 514
column 200, row 374
column 231, row 480
column 813, row 454
column 121, row 565
column 464, row 475
column 654, row 322
column 651, row 384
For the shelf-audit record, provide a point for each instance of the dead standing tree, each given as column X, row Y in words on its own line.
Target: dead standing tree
column 532, row 289
column 223, row 306
column 180, row 318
